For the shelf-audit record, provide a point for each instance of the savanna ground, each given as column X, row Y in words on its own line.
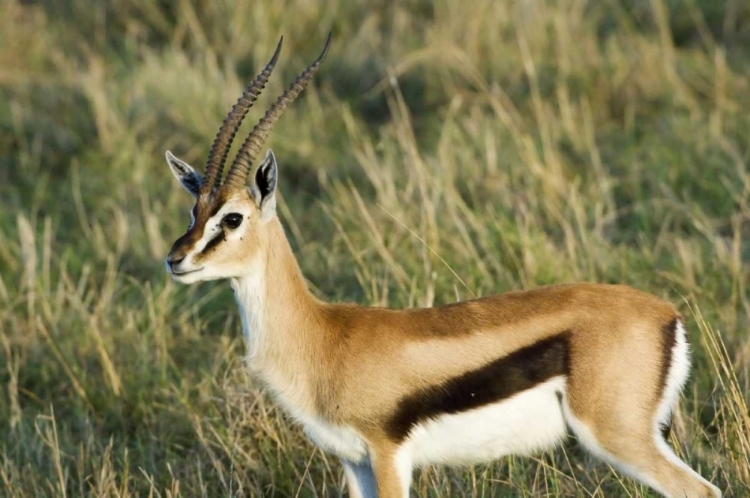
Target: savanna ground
column 445, row 150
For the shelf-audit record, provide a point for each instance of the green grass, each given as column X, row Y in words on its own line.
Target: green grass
column 445, row 150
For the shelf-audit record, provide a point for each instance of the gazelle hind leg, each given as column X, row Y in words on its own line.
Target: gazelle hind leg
column 647, row 458
column 639, row 449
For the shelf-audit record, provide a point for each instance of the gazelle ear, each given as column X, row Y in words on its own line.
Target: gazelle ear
column 264, row 189
column 189, row 178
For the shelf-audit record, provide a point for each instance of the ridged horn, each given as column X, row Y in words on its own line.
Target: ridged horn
column 223, row 141
column 250, row 148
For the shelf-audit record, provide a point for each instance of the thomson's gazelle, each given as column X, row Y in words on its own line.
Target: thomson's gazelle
column 388, row 390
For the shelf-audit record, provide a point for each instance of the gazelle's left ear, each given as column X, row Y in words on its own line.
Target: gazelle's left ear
column 264, row 188
column 189, row 178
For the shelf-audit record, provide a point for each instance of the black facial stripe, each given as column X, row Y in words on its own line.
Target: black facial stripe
column 213, row 243
column 491, row 383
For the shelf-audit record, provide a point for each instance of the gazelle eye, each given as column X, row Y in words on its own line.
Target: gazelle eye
column 232, row 220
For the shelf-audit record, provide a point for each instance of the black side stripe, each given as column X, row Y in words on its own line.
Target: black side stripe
column 491, row 383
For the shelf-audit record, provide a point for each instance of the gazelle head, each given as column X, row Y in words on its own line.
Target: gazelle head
column 228, row 219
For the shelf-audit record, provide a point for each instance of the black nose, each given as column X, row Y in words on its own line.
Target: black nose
column 180, row 249
column 175, row 259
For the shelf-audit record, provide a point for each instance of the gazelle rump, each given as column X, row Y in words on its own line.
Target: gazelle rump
column 389, row 390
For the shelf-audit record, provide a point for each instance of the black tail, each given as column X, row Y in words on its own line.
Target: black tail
column 666, row 429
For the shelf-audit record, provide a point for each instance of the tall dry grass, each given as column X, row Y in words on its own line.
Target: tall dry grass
column 447, row 150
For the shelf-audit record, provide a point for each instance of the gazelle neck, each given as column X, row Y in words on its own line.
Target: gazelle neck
column 283, row 323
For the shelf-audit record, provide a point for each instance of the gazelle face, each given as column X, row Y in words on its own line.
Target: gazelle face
column 225, row 234
column 228, row 221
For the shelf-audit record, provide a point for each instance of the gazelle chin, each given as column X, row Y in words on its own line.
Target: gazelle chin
column 390, row 390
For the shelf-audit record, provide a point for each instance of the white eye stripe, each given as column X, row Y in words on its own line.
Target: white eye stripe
column 212, row 228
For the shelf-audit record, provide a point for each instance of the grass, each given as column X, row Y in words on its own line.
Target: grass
column 445, row 151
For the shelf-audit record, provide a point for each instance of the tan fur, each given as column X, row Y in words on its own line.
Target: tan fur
column 606, row 360
column 350, row 365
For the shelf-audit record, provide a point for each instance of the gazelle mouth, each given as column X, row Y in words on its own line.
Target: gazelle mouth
column 181, row 273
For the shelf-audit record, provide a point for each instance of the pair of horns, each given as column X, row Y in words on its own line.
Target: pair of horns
column 237, row 174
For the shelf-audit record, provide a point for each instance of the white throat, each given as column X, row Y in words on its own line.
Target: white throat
column 250, row 293
column 288, row 382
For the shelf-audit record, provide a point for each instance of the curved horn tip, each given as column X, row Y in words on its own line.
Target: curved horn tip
column 277, row 51
column 325, row 48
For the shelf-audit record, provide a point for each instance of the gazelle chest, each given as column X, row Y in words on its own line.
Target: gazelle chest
column 340, row 440
column 249, row 294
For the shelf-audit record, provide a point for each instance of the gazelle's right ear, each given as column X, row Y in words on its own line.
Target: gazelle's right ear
column 187, row 176
column 264, row 189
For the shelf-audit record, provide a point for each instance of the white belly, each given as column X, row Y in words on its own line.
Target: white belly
column 525, row 423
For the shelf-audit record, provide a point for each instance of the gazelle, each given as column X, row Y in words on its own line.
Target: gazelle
column 389, row 390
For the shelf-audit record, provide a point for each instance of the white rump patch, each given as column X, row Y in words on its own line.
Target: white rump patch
column 679, row 369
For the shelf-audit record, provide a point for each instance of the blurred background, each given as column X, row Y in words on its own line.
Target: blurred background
column 446, row 149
